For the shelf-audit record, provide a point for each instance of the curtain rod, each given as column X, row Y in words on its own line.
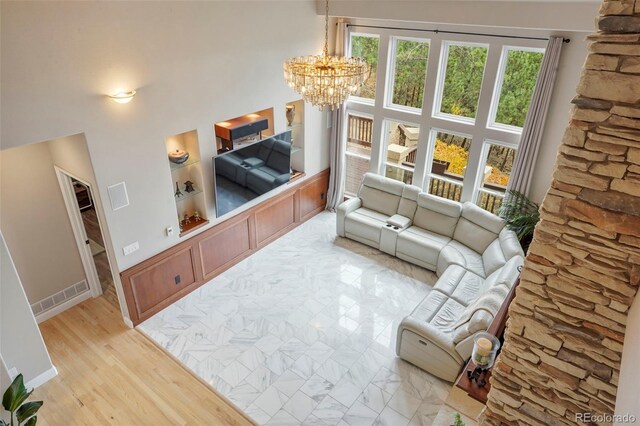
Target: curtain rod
column 564, row 40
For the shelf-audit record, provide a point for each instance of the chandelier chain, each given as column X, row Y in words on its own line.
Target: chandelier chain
column 325, row 80
column 326, row 28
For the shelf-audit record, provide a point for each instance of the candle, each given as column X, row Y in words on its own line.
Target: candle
column 483, row 346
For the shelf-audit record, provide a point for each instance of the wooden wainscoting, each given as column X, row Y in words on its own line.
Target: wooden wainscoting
column 159, row 281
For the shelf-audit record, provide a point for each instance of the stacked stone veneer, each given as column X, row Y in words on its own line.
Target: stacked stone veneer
column 563, row 344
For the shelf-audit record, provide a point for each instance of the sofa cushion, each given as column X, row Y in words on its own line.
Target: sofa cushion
column 439, row 310
column 437, row 214
column 365, row 223
column 510, row 245
column 461, row 285
column 380, row 194
column 409, row 201
column 279, row 158
column 459, row 254
column 264, row 149
column 477, row 228
column 493, row 258
column 420, row 244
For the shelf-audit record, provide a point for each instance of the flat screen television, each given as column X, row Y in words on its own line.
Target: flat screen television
column 245, row 173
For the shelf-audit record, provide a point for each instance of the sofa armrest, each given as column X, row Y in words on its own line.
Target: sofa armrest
column 449, row 256
column 343, row 210
column 399, row 222
column 282, row 179
column 430, row 334
column 252, row 162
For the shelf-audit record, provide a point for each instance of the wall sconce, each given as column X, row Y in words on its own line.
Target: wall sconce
column 123, row 97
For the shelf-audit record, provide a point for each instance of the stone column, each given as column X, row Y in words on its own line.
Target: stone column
column 564, row 339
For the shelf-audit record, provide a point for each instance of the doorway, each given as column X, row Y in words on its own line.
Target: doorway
column 81, row 207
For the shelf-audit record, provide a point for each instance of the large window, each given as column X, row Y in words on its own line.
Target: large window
column 516, row 81
column 365, row 46
column 358, row 155
column 449, row 115
column 401, row 145
column 463, row 72
column 409, row 71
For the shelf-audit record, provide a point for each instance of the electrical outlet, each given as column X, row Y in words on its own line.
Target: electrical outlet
column 130, row 248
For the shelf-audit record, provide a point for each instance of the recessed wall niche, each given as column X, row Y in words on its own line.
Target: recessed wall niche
column 183, row 157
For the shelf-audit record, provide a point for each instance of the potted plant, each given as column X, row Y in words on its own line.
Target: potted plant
column 520, row 215
column 457, row 420
column 13, row 401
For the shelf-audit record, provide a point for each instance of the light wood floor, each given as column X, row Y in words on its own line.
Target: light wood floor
column 110, row 374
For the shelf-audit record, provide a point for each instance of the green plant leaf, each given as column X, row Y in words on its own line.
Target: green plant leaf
column 27, row 410
column 32, row 421
column 520, row 215
column 15, row 394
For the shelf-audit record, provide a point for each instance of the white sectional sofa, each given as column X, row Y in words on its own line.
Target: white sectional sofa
column 475, row 257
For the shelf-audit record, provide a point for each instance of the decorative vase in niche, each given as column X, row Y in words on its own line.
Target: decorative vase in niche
column 291, row 114
column 178, row 156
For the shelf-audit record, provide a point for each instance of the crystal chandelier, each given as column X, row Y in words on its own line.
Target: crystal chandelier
column 325, row 80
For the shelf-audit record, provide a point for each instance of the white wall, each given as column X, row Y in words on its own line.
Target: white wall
column 628, row 398
column 21, row 344
column 577, row 15
column 35, row 222
column 71, row 154
column 193, row 64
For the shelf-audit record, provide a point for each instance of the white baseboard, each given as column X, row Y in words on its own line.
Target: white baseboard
column 63, row 306
column 128, row 322
column 41, row 379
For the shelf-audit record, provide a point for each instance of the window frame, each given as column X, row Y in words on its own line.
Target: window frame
column 499, row 83
column 390, row 75
column 359, row 99
column 486, row 146
column 385, row 147
column 442, row 75
column 356, row 113
column 427, row 118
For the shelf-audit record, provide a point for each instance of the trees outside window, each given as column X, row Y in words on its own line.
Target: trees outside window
column 449, row 115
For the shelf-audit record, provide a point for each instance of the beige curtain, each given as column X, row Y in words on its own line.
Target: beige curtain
column 524, row 164
column 337, row 142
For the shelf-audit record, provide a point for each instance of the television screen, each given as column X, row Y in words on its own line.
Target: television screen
column 245, row 173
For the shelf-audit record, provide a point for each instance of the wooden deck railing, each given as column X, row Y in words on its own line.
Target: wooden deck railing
column 490, row 201
column 445, row 189
column 359, row 130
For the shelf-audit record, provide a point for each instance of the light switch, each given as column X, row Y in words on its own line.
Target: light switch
column 169, row 231
column 130, row 248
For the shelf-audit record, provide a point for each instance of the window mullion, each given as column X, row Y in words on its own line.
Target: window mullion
column 377, row 143
column 422, row 167
column 473, row 177
column 491, row 69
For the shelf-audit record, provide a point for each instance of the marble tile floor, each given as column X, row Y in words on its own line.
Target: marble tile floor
column 304, row 332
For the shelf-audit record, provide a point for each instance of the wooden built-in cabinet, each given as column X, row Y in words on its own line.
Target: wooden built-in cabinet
column 155, row 283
